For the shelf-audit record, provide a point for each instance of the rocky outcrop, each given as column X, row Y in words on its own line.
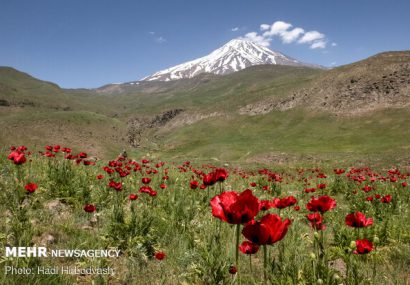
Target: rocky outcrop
column 378, row 82
column 138, row 126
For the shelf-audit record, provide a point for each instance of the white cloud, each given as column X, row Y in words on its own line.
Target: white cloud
column 235, row 29
column 254, row 37
column 287, row 34
column 311, row 36
column 334, row 44
column 277, row 28
column 291, row 36
column 318, row 44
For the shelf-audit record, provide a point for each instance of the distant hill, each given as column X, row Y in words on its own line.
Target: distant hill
column 263, row 113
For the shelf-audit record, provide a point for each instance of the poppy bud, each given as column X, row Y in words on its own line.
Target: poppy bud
column 352, row 244
column 232, row 269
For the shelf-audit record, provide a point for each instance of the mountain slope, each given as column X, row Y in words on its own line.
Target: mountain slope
column 380, row 81
column 235, row 55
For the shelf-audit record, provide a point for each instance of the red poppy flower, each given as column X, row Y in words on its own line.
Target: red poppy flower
column 193, row 184
column 146, row 180
column 163, row 186
column 268, row 230
column 220, row 174
column 82, row 155
column 404, row 184
column 265, row 205
column 367, row 188
column 248, row 247
column 133, row 197
column 116, row 185
column 235, row 208
column 66, row 149
column 358, row 220
column 253, row 184
column 363, row 246
column 145, row 161
column 316, row 221
column 232, row 269
column 321, row 186
column 17, row 157
column 145, row 189
column 31, row 187
column 321, row 204
column 89, row 208
column 209, row 179
column 284, row 202
column 386, row 199
column 100, row 176
column 338, row 171
column 160, row 255
column 88, row 162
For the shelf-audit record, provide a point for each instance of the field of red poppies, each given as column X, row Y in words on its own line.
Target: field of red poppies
column 186, row 223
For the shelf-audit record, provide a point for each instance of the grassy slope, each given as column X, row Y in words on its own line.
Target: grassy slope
column 381, row 133
column 99, row 121
column 225, row 93
column 42, row 113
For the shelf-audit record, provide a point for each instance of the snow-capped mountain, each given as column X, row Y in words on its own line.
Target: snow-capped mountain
column 235, row 55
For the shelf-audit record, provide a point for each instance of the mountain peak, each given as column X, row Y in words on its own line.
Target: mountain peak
column 233, row 56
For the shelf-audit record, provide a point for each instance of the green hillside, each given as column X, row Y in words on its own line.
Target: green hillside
column 34, row 112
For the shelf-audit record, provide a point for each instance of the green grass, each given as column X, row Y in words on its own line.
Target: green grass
column 178, row 221
column 296, row 132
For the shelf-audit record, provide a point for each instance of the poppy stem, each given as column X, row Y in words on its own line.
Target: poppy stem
column 265, row 263
column 250, row 262
column 238, row 230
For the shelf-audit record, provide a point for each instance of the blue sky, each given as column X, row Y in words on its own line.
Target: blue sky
column 89, row 43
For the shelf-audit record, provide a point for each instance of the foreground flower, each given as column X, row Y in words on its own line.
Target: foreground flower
column 235, row 208
column 268, row 230
column 30, row 187
column 358, row 220
column 316, row 221
column 160, row 255
column 321, row 204
column 248, row 247
column 363, row 246
column 89, row 208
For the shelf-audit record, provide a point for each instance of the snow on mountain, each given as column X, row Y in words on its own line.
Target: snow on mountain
column 235, row 55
